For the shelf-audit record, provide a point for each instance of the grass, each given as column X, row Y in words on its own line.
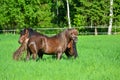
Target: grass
column 99, row 59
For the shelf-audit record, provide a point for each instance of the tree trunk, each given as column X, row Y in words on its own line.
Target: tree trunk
column 96, row 32
column 68, row 14
column 57, row 12
column 111, row 19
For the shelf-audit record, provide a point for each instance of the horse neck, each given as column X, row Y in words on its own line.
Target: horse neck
column 33, row 33
column 67, row 36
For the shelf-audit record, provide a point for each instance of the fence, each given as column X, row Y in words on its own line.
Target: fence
column 88, row 30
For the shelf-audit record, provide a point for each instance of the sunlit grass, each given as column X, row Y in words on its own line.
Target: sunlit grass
column 99, row 59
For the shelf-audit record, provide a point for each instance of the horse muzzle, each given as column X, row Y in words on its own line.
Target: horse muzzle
column 75, row 39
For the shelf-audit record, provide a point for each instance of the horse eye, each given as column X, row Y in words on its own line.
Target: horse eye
column 71, row 33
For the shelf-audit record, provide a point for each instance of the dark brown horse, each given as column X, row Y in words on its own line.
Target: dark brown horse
column 55, row 45
column 27, row 33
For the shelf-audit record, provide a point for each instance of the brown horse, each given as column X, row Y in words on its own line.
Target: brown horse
column 41, row 44
column 28, row 32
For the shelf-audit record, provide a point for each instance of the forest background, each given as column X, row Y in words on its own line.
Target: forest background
column 18, row 14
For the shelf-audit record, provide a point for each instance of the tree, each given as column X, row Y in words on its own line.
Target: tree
column 116, row 11
column 25, row 13
column 90, row 13
column 16, row 14
column 111, row 19
column 68, row 14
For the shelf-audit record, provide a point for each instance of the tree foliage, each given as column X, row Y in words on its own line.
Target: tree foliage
column 91, row 12
column 116, row 12
column 15, row 14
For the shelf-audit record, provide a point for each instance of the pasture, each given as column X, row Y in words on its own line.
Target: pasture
column 99, row 59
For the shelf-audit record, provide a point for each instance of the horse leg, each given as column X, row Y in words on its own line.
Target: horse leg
column 34, row 56
column 28, row 55
column 40, row 54
column 34, row 53
column 33, row 49
column 30, row 51
column 59, row 56
column 67, row 53
column 74, row 49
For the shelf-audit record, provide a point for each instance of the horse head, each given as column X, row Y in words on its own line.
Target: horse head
column 24, row 35
column 73, row 34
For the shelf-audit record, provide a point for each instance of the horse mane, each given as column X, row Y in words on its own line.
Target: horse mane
column 64, row 32
column 59, row 34
column 33, row 32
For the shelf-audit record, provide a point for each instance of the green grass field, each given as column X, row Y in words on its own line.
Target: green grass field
column 99, row 59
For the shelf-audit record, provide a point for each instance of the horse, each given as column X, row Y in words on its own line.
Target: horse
column 55, row 45
column 28, row 32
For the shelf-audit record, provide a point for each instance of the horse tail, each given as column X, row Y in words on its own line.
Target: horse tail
column 19, row 52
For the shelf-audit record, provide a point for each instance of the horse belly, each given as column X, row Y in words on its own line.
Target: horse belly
column 54, row 46
column 50, row 51
column 53, row 50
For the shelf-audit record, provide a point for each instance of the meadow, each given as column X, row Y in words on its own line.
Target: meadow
column 99, row 59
